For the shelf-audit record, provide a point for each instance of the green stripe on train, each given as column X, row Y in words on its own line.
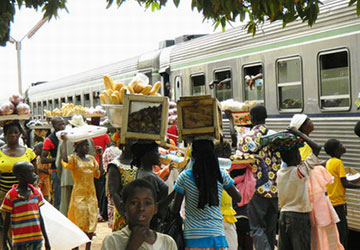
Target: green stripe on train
column 299, row 40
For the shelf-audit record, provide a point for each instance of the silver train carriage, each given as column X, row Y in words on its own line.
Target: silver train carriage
column 312, row 70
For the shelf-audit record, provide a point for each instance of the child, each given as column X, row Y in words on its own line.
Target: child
column 292, row 180
column 139, row 201
column 22, row 208
column 43, row 170
column 336, row 190
column 83, row 203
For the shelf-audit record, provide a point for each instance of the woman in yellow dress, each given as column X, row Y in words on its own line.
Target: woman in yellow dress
column 83, row 203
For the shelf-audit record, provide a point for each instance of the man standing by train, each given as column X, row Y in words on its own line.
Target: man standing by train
column 263, row 207
column 48, row 155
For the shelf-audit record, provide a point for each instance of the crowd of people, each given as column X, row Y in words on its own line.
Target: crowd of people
column 284, row 191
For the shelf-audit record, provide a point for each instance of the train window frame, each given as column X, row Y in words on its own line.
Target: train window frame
column 57, row 103
column 87, row 98
column 191, row 81
column 320, row 96
column 253, row 64
column 221, row 70
column 278, row 86
column 176, row 96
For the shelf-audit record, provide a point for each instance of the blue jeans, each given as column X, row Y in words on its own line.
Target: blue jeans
column 56, row 189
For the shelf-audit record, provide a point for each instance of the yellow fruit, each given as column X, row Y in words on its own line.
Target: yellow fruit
column 146, row 90
column 114, row 99
column 109, row 92
column 108, row 82
column 130, row 89
column 118, row 86
column 122, row 93
column 138, row 87
column 155, row 88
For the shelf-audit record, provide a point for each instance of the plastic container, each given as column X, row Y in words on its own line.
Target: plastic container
column 82, row 133
column 224, row 163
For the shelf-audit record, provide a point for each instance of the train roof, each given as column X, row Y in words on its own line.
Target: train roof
column 334, row 16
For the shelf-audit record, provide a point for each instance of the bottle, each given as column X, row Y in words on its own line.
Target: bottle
column 224, row 163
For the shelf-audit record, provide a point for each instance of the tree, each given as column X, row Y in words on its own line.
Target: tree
column 220, row 12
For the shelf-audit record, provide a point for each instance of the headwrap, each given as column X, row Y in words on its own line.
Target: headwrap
column 281, row 141
column 297, row 120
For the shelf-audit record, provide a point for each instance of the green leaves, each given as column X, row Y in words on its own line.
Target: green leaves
column 221, row 12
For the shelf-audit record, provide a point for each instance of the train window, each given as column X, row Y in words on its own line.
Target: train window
column 177, row 88
column 87, row 100
column 56, row 103
column 289, row 83
column 254, row 83
column 96, row 98
column 63, row 100
column 45, row 106
column 34, row 108
column 50, row 105
column 223, row 85
column 334, row 79
column 70, row 99
column 77, row 100
column 198, row 84
column 39, row 109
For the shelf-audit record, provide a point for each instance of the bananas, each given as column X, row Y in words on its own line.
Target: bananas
column 114, row 92
column 67, row 109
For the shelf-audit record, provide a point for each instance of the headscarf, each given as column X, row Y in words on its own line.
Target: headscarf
column 297, row 120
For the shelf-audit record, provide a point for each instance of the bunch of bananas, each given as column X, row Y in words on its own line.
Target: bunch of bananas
column 114, row 92
column 67, row 109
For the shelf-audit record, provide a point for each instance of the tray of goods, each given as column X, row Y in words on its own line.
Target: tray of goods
column 144, row 117
column 67, row 110
column 82, row 133
column 98, row 111
column 177, row 157
column 199, row 115
column 114, row 114
column 242, row 158
column 15, row 109
column 352, row 175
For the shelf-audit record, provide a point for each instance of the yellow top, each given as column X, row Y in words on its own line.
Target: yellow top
column 7, row 162
column 336, row 191
column 83, row 206
column 305, row 151
column 227, row 209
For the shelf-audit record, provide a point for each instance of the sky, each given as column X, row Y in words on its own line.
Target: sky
column 90, row 36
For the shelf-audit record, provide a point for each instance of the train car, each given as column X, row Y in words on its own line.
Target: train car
column 312, row 70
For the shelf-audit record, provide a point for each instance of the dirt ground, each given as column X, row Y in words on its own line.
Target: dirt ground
column 102, row 230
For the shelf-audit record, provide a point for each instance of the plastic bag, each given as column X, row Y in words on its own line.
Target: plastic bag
column 141, row 77
column 62, row 233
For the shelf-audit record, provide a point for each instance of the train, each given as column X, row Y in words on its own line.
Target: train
column 299, row 69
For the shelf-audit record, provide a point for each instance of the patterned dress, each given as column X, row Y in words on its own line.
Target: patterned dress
column 250, row 143
column 127, row 174
column 83, row 203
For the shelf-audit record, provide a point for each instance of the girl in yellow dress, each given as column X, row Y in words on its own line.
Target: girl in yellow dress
column 83, row 203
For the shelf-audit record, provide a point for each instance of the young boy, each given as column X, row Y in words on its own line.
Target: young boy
column 336, row 190
column 292, row 180
column 22, row 208
column 43, row 170
column 139, row 199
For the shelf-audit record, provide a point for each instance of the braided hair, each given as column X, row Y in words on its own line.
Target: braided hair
column 206, row 172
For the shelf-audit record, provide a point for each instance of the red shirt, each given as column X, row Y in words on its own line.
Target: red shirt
column 48, row 144
column 25, row 216
column 101, row 141
column 173, row 130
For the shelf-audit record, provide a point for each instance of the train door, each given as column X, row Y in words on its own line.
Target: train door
column 177, row 88
column 165, row 79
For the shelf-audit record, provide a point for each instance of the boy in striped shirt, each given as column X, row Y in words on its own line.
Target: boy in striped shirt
column 22, row 208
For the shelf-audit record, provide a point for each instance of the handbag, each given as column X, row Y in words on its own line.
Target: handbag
column 172, row 225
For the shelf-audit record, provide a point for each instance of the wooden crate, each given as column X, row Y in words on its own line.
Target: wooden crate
column 137, row 124
column 199, row 115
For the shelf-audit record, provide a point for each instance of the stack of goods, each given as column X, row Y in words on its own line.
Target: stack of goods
column 199, row 116
column 114, row 92
column 98, row 111
column 242, row 158
column 175, row 156
column 37, row 124
column 172, row 113
column 67, row 110
column 239, row 110
column 144, row 117
column 15, row 109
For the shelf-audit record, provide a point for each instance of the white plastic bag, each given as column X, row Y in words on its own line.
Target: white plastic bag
column 62, row 233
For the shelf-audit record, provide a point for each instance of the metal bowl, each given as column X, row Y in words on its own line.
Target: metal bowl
column 114, row 114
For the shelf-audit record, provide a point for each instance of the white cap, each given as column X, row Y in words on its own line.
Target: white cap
column 298, row 120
